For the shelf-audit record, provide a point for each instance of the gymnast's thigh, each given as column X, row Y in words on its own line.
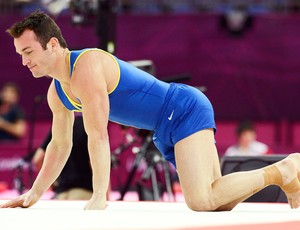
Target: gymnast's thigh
column 197, row 163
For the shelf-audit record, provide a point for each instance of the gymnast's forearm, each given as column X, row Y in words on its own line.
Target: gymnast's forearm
column 99, row 152
column 55, row 158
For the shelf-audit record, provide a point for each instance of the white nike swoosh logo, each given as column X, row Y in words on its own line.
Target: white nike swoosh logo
column 170, row 117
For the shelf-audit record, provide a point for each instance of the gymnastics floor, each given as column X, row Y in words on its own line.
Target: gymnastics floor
column 145, row 215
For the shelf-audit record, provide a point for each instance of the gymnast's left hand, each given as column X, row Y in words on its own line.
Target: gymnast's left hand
column 25, row 200
column 96, row 203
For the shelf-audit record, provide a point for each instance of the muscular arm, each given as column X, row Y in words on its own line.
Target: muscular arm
column 90, row 86
column 59, row 147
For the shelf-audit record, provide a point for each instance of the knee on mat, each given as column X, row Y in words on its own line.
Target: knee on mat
column 204, row 204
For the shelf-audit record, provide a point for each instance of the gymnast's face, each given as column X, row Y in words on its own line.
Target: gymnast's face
column 37, row 60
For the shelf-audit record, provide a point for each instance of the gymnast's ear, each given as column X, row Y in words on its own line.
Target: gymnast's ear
column 52, row 44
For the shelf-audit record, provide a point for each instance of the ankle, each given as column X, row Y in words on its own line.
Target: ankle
column 272, row 176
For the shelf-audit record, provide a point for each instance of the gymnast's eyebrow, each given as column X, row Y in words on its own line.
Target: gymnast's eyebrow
column 28, row 47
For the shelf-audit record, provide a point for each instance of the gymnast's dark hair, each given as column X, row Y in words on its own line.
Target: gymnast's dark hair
column 42, row 25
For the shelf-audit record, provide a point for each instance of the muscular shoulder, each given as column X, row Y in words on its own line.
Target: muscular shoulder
column 97, row 59
column 96, row 68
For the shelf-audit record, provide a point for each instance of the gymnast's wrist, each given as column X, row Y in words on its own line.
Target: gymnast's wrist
column 38, row 190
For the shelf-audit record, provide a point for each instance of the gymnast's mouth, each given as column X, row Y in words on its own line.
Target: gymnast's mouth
column 31, row 67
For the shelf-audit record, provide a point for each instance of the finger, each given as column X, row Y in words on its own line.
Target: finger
column 13, row 204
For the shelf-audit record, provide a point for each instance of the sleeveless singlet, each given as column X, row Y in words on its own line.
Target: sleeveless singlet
column 137, row 99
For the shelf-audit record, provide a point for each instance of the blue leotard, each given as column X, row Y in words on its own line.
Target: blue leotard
column 173, row 111
column 136, row 101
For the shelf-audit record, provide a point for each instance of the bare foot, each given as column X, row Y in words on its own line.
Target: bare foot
column 290, row 169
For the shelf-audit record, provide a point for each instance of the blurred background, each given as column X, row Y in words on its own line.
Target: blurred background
column 243, row 54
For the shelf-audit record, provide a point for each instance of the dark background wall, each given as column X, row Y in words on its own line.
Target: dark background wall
column 255, row 75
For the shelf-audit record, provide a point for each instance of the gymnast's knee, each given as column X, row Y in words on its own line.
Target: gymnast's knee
column 208, row 205
column 201, row 204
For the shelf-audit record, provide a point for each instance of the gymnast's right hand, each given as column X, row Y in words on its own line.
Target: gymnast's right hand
column 23, row 201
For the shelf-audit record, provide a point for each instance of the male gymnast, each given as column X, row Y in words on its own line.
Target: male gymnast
column 104, row 88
